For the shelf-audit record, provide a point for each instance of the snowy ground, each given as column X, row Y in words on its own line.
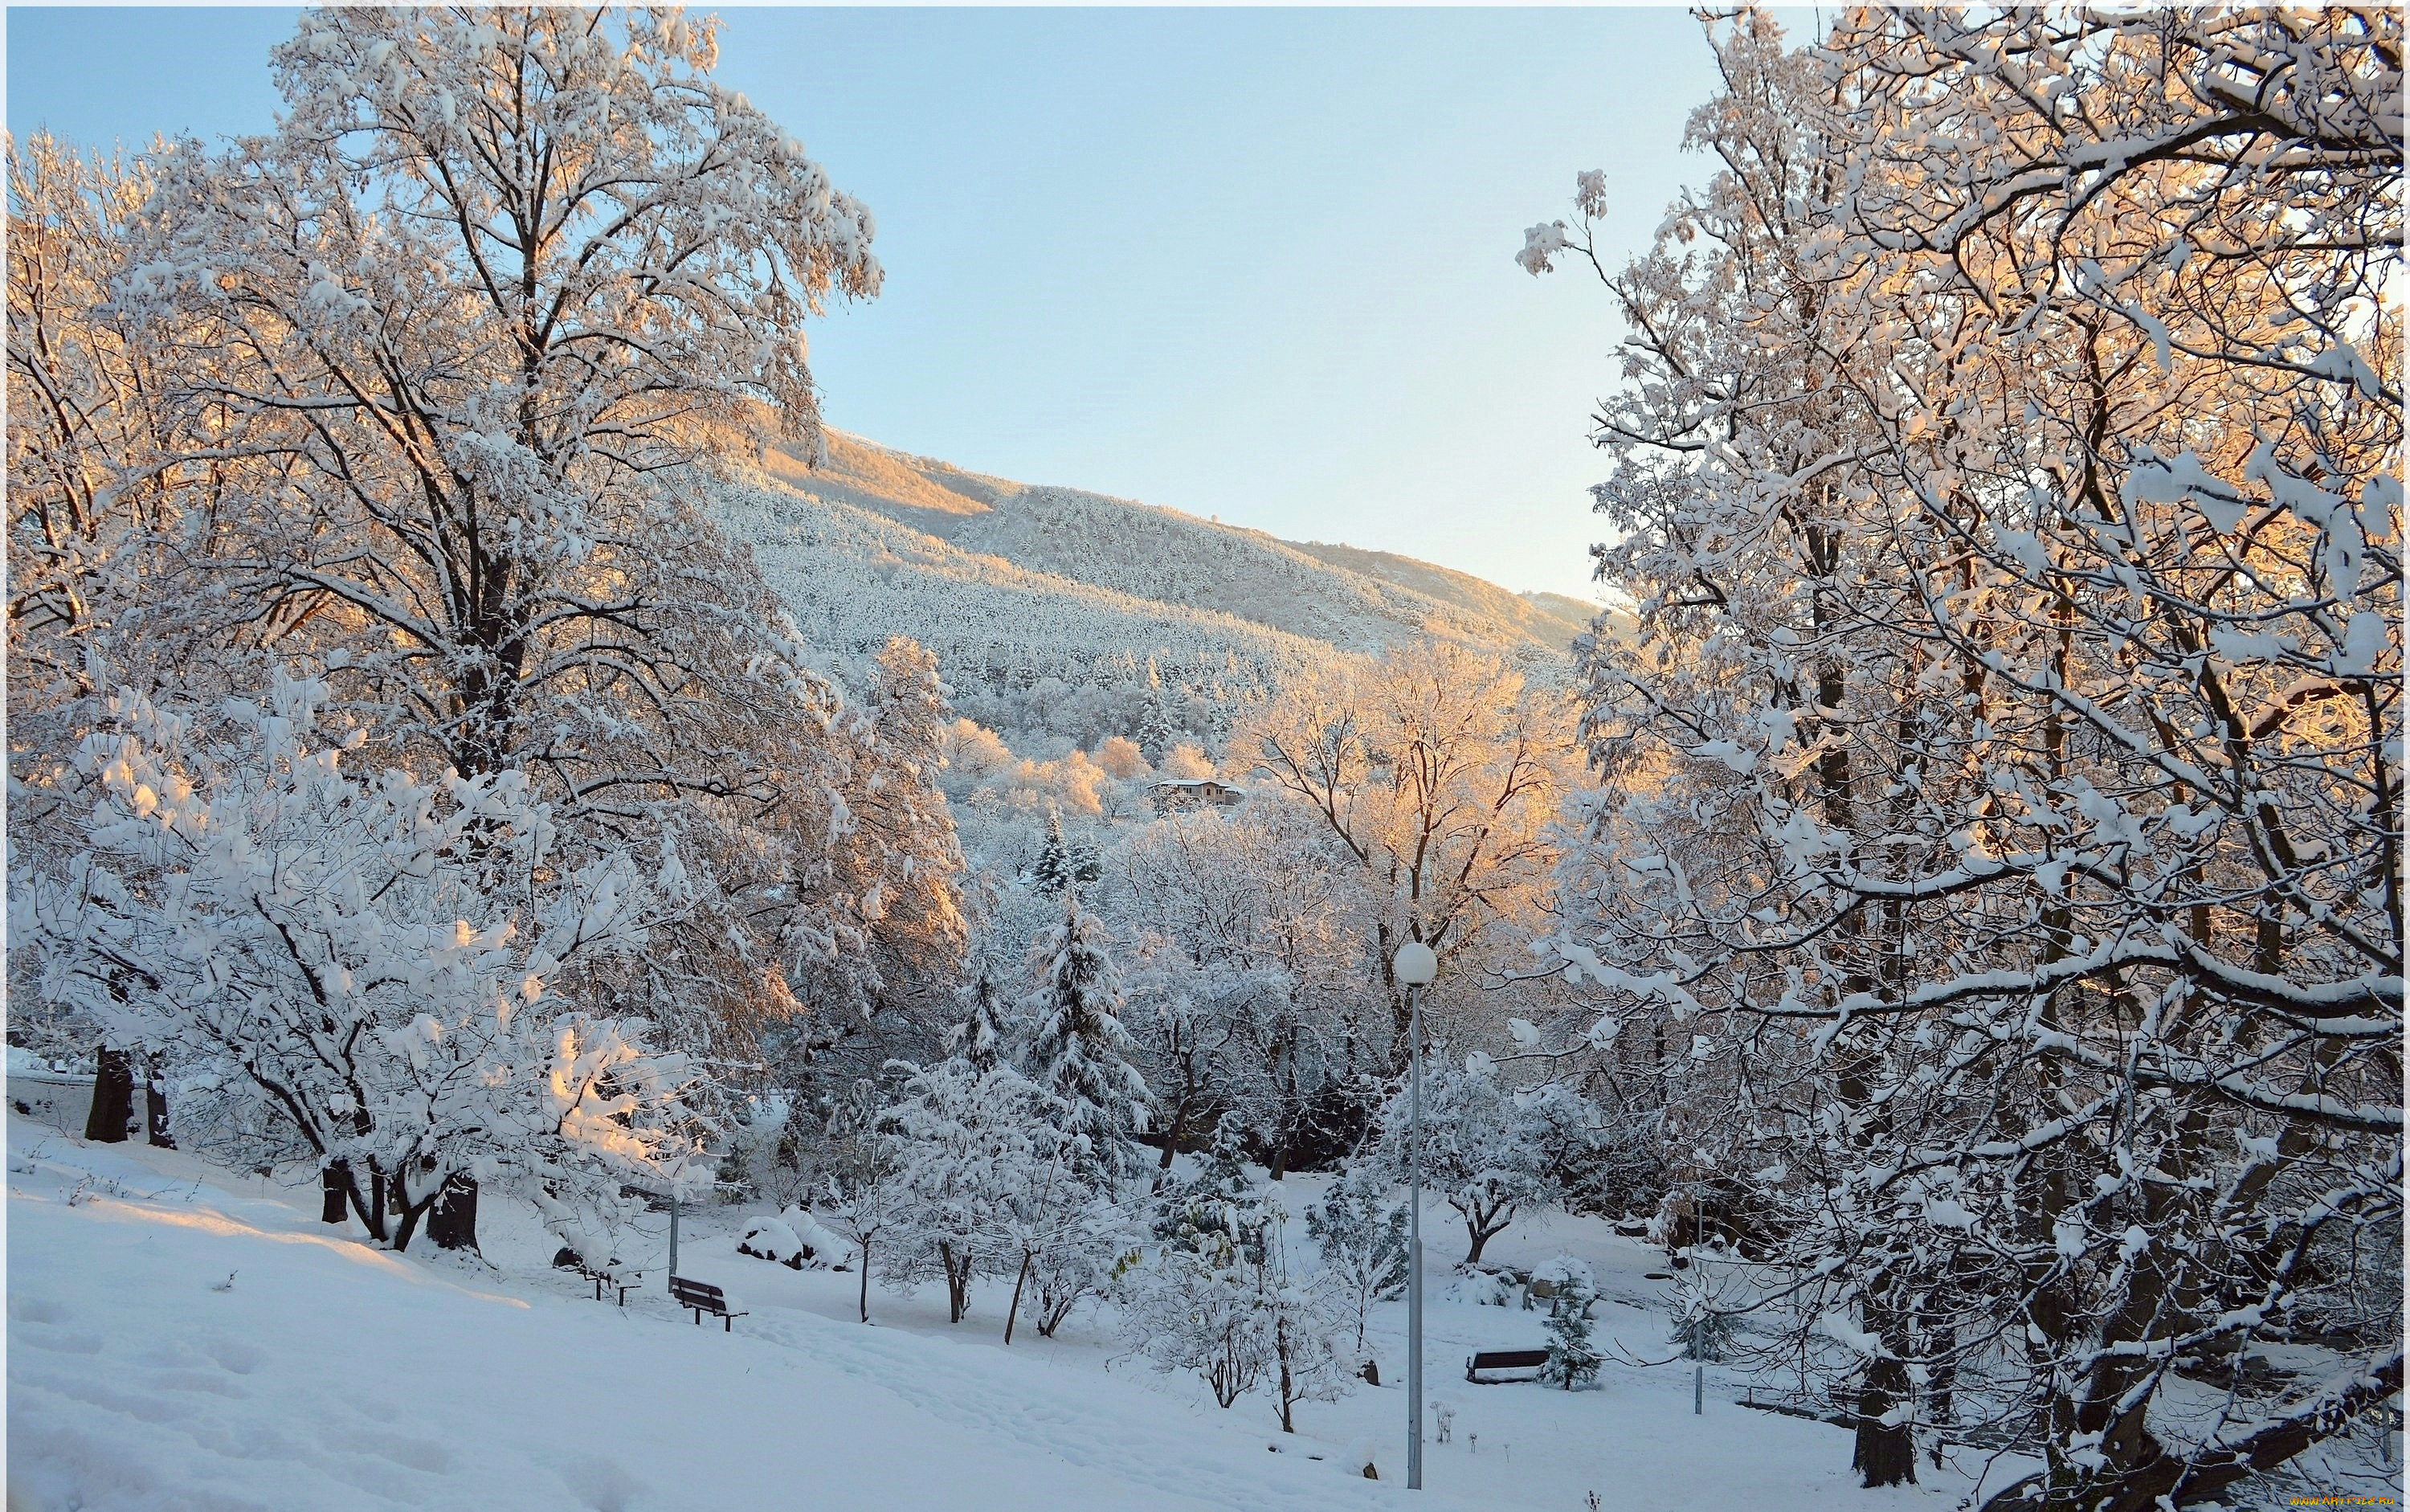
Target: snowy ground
column 332, row 1374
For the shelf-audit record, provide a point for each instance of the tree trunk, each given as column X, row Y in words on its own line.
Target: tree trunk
column 958, row 1280
column 113, row 1099
column 1014, row 1310
column 1885, row 1454
column 452, row 1223
column 334, row 1191
column 1287, row 1386
column 1483, row 1231
column 865, row 1303
column 154, row 1099
column 409, row 1227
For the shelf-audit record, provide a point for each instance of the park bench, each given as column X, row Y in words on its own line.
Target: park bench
column 700, row 1297
column 1504, row 1360
column 608, row 1275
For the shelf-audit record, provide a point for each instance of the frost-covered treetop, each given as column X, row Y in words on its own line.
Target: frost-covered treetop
column 572, row 181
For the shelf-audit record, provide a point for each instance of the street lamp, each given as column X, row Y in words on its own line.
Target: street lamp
column 1415, row 965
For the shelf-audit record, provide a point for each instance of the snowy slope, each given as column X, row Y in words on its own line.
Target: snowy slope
column 332, row 1374
column 335, row 1375
column 852, row 577
column 1357, row 601
column 1046, row 605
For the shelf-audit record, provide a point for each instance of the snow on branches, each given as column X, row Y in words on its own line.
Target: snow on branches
column 2008, row 763
column 381, row 968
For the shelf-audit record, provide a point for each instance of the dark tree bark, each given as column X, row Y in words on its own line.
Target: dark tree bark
column 1014, row 1310
column 154, row 1099
column 958, row 1279
column 113, row 1099
column 335, row 1191
column 1886, row 1452
column 1483, row 1223
column 452, row 1222
column 2185, row 1481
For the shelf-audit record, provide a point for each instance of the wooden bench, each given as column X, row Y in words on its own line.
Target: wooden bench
column 609, row 1275
column 1504, row 1360
column 700, row 1297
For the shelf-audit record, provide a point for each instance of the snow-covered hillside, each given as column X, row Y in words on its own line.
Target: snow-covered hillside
column 1046, row 605
column 183, row 1337
column 1021, row 650
column 1353, row 599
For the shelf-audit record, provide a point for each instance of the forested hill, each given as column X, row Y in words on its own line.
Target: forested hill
column 1046, row 605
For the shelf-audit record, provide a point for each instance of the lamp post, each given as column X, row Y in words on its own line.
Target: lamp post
column 1415, row 965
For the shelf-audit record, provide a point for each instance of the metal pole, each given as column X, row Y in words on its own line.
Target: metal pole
column 1414, row 1249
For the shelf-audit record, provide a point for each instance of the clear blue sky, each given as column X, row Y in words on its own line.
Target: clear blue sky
column 1255, row 264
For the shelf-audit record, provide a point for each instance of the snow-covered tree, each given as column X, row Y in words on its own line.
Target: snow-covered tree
column 1253, row 978
column 95, row 513
column 861, row 1165
column 2008, row 483
column 1157, row 732
column 467, row 329
column 887, row 937
column 1060, row 1226
column 385, row 969
column 1437, row 769
column 1218, row 1212
column 975, row 1140
column 1359, row 1227
column 1062, row 867
column 985, row 1037
column 1310, row 1361
column 1486, row 1148
column 1078, row 1051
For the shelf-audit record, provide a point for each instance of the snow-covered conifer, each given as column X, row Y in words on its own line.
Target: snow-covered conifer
column 1573, row 1362
column 984, row 1037
column 1157, row 731
column 1079, row 1050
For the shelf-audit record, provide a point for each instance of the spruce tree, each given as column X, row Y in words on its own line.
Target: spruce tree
column 983, row 1037
column 1062, row 867
column 1156, row 731
column 1081, row 1051
column 1572, row 1363
column 1217, row 1213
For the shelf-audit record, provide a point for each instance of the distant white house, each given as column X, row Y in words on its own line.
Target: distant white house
column 1177, row 793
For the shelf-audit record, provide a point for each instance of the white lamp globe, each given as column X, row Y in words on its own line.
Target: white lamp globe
column 1416, row 964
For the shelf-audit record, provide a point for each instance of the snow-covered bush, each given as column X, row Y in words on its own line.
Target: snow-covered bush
column 1218, row 1296
column 772, row 1239
column 383, row 966
column 1182, row 1311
